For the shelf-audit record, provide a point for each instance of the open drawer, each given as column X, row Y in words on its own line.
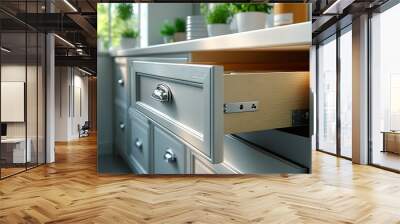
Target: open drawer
column 200, row 104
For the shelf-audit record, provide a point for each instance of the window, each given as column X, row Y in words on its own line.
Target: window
column 385, row 89
column 346, row 93
column 22, row 76
column 327, row 96
column 114, row 21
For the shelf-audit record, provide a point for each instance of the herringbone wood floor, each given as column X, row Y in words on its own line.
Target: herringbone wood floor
column 70, row 191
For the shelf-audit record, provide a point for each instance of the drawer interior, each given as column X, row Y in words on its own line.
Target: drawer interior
column 277, row 79
column 255, row 60
column 278, row 95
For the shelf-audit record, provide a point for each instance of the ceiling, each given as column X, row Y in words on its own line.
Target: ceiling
column 75, row 21
column 332, row 15
column 72, row 20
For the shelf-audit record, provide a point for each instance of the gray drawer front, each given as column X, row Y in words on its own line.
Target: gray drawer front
column 186, row 106
column 194, row 111
column 121, row 79
column 140, row 142
column 120, row 129
column 162, row 143
column 201, row 168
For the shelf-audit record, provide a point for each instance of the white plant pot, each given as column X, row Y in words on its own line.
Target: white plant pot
column 180, row 36
column 270, row 20
column 128, row 43
column 218, row 29
column 168, row 39
column 247, row 21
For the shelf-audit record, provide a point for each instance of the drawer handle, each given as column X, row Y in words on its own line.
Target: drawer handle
column 169, row 156
column 162, row 93
column 122, row 126
column 121, row 82
column 138, row 143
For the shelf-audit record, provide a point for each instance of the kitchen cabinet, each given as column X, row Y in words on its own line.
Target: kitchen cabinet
column 120, row 81
column 195, row 107
column 200, row 167
column 169, row 153
column 201, row 104
column 139, row 142
column 120, row 128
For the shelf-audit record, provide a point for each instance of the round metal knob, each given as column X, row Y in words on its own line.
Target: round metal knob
column 121, row 82
column 162, row 93
column 169, row 156
column 122, row 125
column 138, row 143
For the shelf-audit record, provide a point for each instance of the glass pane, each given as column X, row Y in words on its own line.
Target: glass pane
column 31, row 98
column 32, row 93
column 103, row 27
column 346, row 94
column 327, row 96
column 118, row 25
column 385, row 103
column 41, row 99
column 13, row 88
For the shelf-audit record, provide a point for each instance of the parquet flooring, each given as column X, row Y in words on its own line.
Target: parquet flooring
column 70, row 191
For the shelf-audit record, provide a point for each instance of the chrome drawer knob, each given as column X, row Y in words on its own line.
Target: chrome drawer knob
column 121, row 82
column 169, row 156
column 122, row 126
column 138, row 143
column 162, row 93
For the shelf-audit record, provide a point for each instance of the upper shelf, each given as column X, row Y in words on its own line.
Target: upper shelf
column 290, row 37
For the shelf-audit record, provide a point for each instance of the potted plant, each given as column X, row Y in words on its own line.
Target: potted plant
column 167, row 31
column 217, row 19
column 250, row 16
column 180, row 29
column 125, row 11
column 123, row 26
column 128, row 38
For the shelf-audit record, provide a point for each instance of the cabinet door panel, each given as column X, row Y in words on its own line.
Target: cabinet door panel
column 169, row 153
column 140, row 142
column 120, row 129
column 121, row 80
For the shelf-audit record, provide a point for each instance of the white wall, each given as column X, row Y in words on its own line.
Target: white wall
column 62, row 83
column 67, row 115
column 33, row 126
column 12, row 73
column 79, row 117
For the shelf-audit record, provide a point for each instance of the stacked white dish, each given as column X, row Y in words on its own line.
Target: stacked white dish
column 195, row 27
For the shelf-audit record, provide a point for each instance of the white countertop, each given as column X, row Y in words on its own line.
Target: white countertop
column 290, row 37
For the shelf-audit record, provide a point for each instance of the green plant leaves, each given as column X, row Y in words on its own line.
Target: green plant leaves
column 180, row 25
column 130, row 33
column 167, row 29
column 219, row 14
column 250, row 7
column 223, row 11
column 125, row 10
